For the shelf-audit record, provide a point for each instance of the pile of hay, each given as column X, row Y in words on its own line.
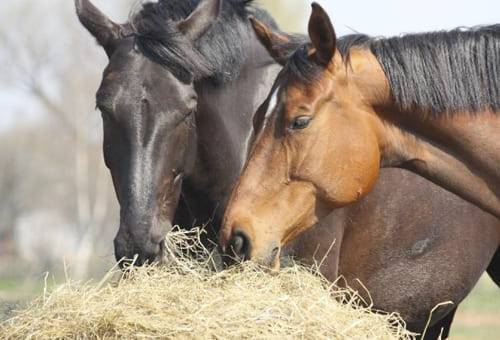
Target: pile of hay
column 187, row 299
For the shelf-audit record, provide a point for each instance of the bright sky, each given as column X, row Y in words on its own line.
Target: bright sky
column 393, row 17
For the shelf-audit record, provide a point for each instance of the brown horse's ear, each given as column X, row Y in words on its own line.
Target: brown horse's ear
column 100, row 26
column 322, row 35
column 278, row 45
column 200, row 20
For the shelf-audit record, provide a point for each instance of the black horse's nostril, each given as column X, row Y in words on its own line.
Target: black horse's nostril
column 240, row 245
column 128, row 252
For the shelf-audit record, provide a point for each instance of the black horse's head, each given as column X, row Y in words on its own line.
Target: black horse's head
column 148, row 110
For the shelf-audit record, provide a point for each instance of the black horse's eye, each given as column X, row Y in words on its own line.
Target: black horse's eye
column 105, row 115
column 301, row 122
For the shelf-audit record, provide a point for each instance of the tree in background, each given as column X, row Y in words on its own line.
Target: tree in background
column 288, row 13
column 52, row 162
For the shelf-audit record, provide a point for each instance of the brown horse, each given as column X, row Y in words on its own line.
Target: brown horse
column 339, row 117
column 296, row 175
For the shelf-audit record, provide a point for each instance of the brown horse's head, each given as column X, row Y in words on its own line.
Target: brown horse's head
column 148, row 101
column 317, row 150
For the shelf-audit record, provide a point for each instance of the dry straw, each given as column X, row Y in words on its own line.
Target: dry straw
column 186, row 299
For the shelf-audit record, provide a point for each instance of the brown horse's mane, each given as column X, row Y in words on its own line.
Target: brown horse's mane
column 437, row 72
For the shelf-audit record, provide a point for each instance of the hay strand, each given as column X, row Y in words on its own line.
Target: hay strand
column 186, row 299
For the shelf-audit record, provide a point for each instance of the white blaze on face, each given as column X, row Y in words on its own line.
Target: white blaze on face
column 273, row 101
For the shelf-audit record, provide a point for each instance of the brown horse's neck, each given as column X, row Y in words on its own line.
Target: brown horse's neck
column 458, row 151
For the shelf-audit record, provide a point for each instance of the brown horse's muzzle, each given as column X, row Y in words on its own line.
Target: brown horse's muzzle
column 239, row 247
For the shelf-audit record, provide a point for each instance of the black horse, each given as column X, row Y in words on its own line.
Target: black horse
column 176, row 73
column 178, row 98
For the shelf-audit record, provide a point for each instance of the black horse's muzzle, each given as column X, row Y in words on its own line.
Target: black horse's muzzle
column 142, row 245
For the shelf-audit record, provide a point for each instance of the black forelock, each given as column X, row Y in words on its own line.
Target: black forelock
column 218, row 54
column 446, row 71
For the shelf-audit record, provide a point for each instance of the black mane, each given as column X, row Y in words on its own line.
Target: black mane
column 446, row 71
column 217, row 55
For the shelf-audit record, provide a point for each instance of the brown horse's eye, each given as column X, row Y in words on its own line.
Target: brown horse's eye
column 301, row 122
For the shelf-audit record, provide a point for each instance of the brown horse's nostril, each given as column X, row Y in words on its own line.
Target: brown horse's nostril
column 274, row 253
column 239, row 245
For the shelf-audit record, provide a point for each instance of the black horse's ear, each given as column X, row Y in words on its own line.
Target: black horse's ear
column 200, row 20
column 278, row 45
column 322, row 35
column 100, row 26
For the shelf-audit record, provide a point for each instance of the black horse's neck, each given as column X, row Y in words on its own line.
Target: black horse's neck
column 224, row 128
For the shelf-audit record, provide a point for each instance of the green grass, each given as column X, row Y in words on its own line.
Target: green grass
column 484, row 298
column 16, row 292
column 478, row 316
column 460, row 332
column 7, row 285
